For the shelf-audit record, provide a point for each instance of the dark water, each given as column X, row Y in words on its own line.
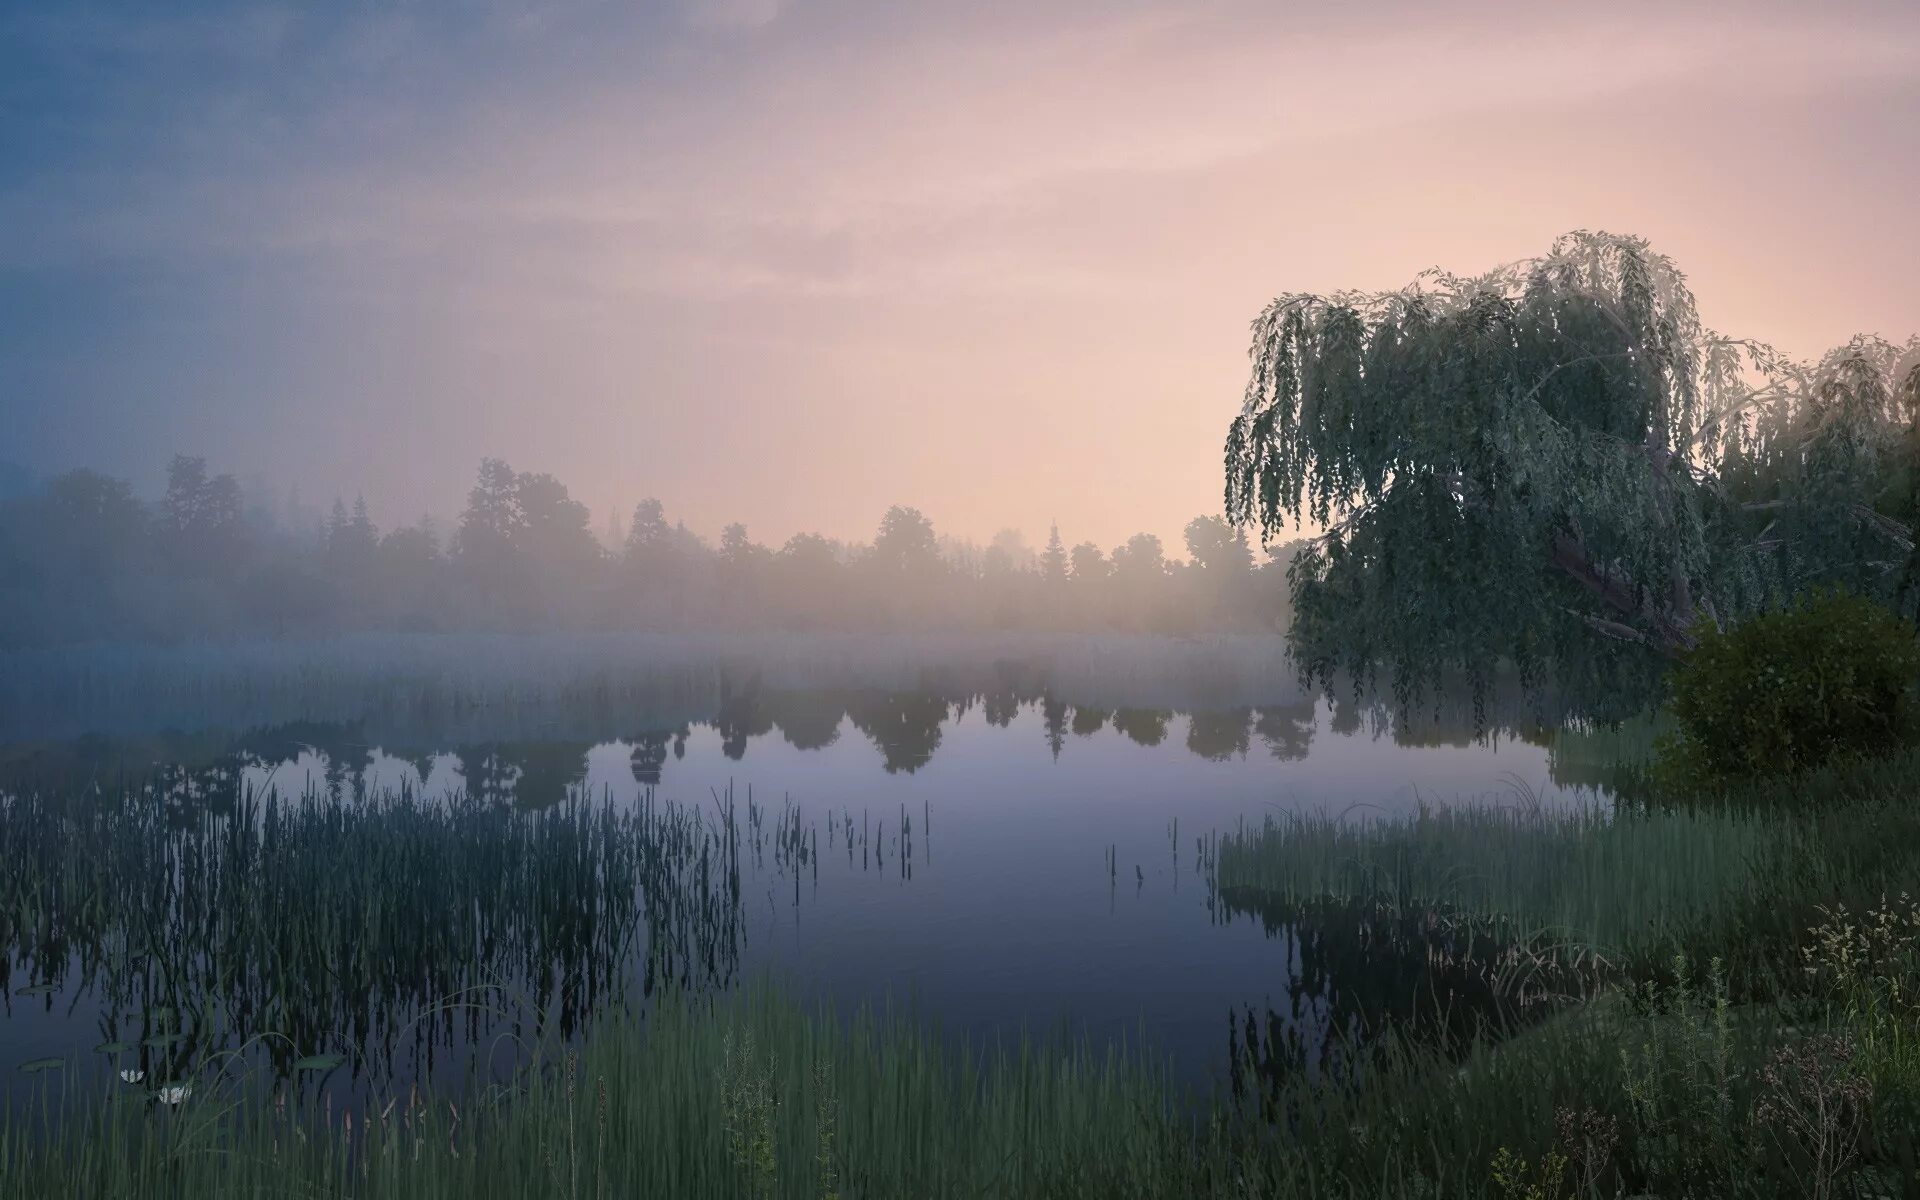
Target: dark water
column 1003, row 860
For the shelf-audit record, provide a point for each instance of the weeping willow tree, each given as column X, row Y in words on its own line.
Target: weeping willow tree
column 1555, row 467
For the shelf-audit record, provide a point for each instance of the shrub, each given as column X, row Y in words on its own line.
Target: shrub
column 1824, row 680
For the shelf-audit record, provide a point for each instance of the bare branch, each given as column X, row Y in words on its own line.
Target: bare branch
column 1572, row 362
column 1710, row 423
column 1713, row 613
column 1893, row 530
column 1571, row 556
column 1612, row 629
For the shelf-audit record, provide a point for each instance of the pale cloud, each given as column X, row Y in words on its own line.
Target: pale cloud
column 927, row 166
column 880, row 161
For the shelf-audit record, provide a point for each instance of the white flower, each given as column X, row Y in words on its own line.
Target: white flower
column 132, row 1076
column 173, row 1093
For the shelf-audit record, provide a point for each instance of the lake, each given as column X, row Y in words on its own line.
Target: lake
column 1004, row 837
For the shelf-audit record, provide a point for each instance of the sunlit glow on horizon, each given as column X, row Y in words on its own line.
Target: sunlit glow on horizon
column 789, row 263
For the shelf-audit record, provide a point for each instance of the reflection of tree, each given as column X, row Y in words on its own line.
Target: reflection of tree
column 639, row 886
column 1000, row 708
column 1365, row 967
column 1427, row 728
column 1025, row 680
column 1614, row 758
column 1346, row 716
column 650, row 754
column 280, row 743
column 1088, row 721
column 904, row 726
column 1450, row 716
column 809, row 720
column 1054, row 713
column 488, row 774
column 421, row 762
column 347, row 757
column 197, row 775
column 547, row 770
column 530, row 774
column 740, row 717
column 1288, row 729
column 1221, row 735
column 344, row 748
column 1146, row 726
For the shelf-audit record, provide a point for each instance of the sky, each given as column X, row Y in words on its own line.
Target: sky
column 789, row 262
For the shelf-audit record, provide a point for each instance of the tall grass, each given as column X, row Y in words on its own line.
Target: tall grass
column 342, row 923
column 753, row 1095
column 1619, row 886
column 1675, row 1082
column 748, row 1095
column 1739, row 876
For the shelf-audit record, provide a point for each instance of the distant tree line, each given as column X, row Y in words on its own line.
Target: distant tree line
column 82, row 557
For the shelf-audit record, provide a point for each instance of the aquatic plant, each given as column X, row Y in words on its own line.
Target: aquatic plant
column 344, row 921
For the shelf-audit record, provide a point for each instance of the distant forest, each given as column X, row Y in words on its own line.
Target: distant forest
column 83, row 558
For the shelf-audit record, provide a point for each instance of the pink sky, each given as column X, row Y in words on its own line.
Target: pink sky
column 791, row 262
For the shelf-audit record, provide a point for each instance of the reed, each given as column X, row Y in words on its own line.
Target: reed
column 1747, row 1028
column 753, row 1093
column 1740, row 877
column 342, row 923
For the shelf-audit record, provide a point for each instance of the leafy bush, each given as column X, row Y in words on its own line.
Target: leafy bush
column 1826, row 679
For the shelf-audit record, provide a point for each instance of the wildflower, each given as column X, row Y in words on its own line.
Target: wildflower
column 132, row 1076
column 173, row 1093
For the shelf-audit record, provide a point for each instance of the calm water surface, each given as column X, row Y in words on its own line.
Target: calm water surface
column 1016, row 861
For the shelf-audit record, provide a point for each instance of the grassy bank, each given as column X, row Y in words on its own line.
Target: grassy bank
column 1750, row 1028
column 748, row 1095
column 1742, row 877
column 1666, row 1093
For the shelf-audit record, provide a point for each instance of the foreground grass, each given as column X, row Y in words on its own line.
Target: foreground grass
column 749, row 1095
column 1743, row 877
column 1661, row 1092
column 1756, row 1033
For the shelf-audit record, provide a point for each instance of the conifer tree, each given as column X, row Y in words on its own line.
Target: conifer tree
column 1053, row 560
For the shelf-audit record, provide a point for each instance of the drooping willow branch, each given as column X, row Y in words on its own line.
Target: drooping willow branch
column 1467, row 442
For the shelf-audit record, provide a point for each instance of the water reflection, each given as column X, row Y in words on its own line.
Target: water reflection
column 1358, row 968
column 905, row 728
column 385, row 927
column 337, row 882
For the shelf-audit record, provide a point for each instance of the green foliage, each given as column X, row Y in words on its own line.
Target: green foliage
column 1747, row 878
column 1554, row 465
column 1829, row 678
column 1681, row 1080
column 1626, row 887
column 1865, row 966
column 1517, row 1180
column 826, row 1114
column 1666, row 1087
column 747, row 1102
